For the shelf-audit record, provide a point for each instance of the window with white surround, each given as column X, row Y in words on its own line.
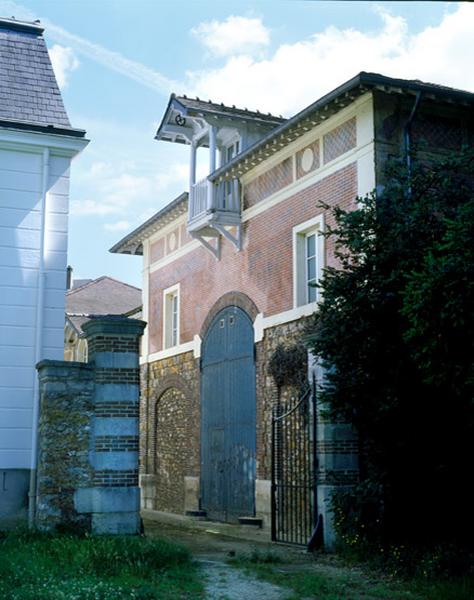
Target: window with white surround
column 308, row 259
column 171, row 317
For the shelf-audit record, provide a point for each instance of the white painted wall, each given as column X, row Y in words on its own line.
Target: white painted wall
column 21, row 187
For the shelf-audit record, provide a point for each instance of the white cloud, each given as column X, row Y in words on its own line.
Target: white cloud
column 235, row 35
column 297, row 74
column 117, row 226
column 109, row 59
column 114, row 189
column 64, row 62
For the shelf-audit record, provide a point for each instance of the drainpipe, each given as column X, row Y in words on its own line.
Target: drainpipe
column 407, row 139
column 38, row 341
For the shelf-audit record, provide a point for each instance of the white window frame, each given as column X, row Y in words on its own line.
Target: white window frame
column 171, row 328
column 301, row 232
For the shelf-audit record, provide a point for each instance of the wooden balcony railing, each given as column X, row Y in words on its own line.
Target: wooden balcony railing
column 211, row 200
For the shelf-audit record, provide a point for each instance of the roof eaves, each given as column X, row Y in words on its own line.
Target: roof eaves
column 52, row 129
column 350, row 89
column 287, row 126
column 164, row 120
column 24, row 26
column 132, row 243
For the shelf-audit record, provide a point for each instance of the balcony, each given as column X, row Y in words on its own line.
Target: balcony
column 214, row 210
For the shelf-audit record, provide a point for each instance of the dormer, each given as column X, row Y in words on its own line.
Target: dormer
column 214, row 209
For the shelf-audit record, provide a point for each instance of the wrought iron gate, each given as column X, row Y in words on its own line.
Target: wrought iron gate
column 294, row 507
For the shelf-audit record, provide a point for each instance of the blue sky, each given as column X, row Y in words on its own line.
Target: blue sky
column 117, row 61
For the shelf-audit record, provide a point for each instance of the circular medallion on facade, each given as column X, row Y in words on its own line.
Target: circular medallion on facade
column 172, row 241
column 307, row 159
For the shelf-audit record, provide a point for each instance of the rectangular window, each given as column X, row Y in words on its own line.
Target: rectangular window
column 311, row 267
column 308, row 257
column 171, row 317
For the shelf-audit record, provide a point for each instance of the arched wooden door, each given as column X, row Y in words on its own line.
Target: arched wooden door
column 228, row 417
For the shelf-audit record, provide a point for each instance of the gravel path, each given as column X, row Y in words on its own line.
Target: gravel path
column 226, row 583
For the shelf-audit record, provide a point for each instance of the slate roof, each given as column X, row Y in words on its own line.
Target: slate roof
column 29, row 94
column 196, row 105
column 102, row 296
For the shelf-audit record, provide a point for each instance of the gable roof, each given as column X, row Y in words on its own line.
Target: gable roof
column 102, row 296
column 133, row 242
column 29, row 94
column 195, row 107
column 328, row 105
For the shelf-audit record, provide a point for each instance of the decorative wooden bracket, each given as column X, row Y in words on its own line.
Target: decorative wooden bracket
column 236, row 240
column 215, row 250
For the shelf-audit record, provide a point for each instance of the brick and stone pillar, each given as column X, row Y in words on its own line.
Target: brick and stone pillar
column 337, row 456
column 87, row 476
column 113, row 500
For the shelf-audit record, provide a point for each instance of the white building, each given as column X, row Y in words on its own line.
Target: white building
column 37, row 144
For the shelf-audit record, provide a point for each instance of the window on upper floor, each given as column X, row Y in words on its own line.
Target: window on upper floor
column 171, row 316
column 308, row 259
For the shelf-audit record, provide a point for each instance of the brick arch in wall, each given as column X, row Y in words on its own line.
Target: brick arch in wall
column 170, row 445
column 230, row 299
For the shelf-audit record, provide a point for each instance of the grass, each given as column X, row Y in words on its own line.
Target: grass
column 38, row 566
column 318, row 580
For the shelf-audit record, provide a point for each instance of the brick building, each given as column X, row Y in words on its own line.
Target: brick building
column 228, row 274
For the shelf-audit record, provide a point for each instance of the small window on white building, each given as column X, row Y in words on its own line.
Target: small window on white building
column 171, row 317
column 308, row 257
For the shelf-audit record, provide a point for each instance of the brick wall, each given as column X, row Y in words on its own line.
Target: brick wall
column 268, row 183
column 340, row 140
column 262, row 269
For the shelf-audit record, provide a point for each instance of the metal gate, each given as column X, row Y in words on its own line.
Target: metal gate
column 228, row 417
column 294, row 507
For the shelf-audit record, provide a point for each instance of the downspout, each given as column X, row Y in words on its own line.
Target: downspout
column 38, row 342
column 408, row 141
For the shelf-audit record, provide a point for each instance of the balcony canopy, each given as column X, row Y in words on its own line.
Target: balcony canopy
column 185, row 118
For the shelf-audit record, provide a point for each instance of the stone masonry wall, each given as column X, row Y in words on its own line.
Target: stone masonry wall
column 287, row 335
column 88, row 437
column 170, row 433
column 170, row 422
column 64, row 430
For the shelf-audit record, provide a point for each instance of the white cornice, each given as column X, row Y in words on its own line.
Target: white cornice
column 35, row 141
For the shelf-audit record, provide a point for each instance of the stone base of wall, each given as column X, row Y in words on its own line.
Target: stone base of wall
column 148, row 491
column 191, row 493
column 14, row 485
column 263, row 501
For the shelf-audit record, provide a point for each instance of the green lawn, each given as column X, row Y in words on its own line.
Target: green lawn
column 328, row 582
column 35, row 566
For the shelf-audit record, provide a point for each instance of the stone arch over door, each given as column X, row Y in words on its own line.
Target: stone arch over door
column 170, row 450
column 228, row 416
column 237, row 299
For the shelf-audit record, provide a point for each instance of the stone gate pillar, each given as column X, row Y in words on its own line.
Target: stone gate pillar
column 113, row 500
column 337, row 459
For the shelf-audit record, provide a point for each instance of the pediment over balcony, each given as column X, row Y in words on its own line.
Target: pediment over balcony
column 187, row 119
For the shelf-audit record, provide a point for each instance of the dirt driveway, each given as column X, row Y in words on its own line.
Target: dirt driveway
column 214, row 544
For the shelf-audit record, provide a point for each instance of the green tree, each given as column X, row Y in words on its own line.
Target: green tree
column 395, row 333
